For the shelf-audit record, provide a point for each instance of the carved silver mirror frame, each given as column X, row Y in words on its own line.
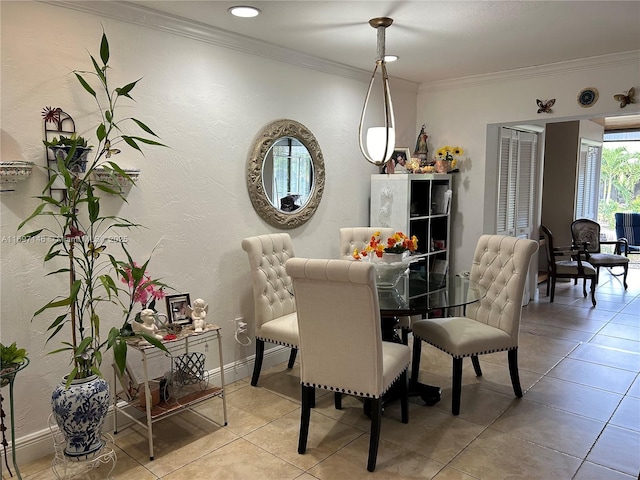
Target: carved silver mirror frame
column 267, row 137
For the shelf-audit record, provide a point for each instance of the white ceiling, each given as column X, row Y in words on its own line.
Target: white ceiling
column 436, row 40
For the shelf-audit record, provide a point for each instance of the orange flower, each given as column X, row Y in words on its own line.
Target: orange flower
column 397, row 243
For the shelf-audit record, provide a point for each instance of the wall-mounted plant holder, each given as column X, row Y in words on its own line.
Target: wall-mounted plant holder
column 111, row 176
column 12, row 173
column 56, row 124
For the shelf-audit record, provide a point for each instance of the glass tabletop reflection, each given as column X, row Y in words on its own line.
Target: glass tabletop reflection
column 417, row 293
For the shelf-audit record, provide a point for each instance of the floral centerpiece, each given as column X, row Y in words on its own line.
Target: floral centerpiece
column 446, row 157
column 388, row 256
column 397, row 243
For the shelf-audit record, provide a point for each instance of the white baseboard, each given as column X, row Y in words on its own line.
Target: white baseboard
column 39, row 444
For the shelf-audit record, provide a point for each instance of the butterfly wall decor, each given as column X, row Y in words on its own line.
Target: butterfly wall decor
column 545, row 107
column 626, row 98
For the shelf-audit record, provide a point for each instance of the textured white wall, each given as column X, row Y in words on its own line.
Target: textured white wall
column 462, row 113
column 207, row 103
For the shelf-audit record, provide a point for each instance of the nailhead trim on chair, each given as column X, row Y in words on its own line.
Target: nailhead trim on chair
column 351, row 392
column 264, row 339
column 484, row 352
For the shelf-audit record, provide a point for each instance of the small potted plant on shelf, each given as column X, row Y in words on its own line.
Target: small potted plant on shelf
column 72, row 150
column 83, row 235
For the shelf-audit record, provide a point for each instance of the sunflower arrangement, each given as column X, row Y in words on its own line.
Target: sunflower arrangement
column 449, row 154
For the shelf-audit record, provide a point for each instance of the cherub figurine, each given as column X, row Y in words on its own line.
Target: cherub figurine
column 198, row 313
column 148, row 324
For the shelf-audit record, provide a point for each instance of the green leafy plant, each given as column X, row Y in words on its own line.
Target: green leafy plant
column 74, row 140
column 11, row 354
column 10, row 358
column 81, row 232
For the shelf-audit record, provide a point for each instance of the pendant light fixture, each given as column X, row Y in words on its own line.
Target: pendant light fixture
column 380, row 138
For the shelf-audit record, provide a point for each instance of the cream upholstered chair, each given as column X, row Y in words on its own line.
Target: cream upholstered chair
column 275, row 307
column 341, row 345
column 500, row 265
column 357, row 237
column 586, row 234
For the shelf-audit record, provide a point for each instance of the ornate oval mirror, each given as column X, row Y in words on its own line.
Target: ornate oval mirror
column 285, row 175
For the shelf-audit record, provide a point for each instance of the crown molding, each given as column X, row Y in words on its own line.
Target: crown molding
column 175, row 25
column 602, row 61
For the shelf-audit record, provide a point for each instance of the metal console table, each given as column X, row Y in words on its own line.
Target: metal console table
column 188, row 395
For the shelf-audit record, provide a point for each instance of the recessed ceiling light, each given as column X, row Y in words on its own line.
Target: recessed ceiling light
column 391, row 58
column 244, row 11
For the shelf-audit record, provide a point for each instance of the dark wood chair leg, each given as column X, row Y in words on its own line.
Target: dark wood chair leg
column 584, row 287
column 593, row 291
column 415, row 360
column 548, row 283
column 456, row 388
column 337, row 400
column 624, row 278
column 404, row 397
column 312, row 398
column 553, row 289
column 513, row 371
column 376, row 423
column 476, row 365
column 292, row 357
column 305, row 416
column 257, row 366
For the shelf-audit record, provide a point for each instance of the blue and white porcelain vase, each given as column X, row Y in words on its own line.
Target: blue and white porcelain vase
column 80, row 411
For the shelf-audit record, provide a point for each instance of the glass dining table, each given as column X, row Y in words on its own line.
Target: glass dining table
column 417, row 293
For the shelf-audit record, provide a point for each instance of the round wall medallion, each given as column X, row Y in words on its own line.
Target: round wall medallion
column 588, row 97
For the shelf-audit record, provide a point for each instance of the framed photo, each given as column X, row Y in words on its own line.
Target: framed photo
column 177, row 308
column 398, row 161
column 127, row 381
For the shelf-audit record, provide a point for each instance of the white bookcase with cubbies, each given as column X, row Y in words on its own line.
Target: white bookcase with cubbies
column 416, row 204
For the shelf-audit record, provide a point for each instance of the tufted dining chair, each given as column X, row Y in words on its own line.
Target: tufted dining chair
column 357, row 237
column 275, row 308
column 500, row 265
column 586, row 234
column 341, row 345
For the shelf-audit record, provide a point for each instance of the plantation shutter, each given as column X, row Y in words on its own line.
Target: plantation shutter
column 516, row 184
column 587, row 180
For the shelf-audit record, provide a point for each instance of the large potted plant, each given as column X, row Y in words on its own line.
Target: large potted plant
column 82, row 239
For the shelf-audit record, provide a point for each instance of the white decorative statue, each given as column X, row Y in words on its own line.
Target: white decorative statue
column 148, row 324
column 198, row 314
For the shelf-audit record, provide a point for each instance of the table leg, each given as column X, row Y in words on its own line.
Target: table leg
column 13, row 431
column 430, row 394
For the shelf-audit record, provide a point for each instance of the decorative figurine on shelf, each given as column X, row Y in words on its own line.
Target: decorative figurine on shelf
column 422, row 150
column 148, row 324
column 198, row 314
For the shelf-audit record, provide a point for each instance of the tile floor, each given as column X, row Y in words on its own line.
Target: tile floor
column 579, row 417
